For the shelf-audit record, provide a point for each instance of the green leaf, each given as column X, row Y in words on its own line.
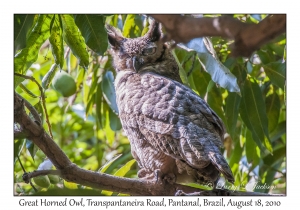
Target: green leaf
column 210, row 62
column 39, row 108
column 27, row 56
column 120, row 161
column 251, row 150
column 30, row 146
column 70, row 185
column 231, row 112
column 146, row 28
column 56, row 42
column 210, row 85
column 67, row 192
column 201, row 81
column 279, row 131
column 24, row 88
column 89, row 105
column 18, row 146
column 271, row 159
column 133, row 26
column 93, row 30
column 264, row 56
column 112, row 20
column 244, row 116
column 240, row 74
column 236, row 157
column 47, row 79
column 182, row 73
column 190, row 63
column 110, row 134
column 95, row 82
column 254, row 113
column 277, row 48
column 249, row 67
column 273, row 110
column 276, row 71
column 284, row 53
column 214, row 99
column 272, row 163
column 269, row 178
column 87, row 101
column 80, row 77
column 109, row 92
column 42, row 181
column 74, row 40
column 99, row 106
column 124, row 169
column 22, row 25
column 121, row 173
column 114, row 121
column 106, row 165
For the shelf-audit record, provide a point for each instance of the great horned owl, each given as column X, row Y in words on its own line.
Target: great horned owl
column 173, row 133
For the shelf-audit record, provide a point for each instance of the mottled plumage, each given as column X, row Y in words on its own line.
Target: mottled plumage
column 173, row 132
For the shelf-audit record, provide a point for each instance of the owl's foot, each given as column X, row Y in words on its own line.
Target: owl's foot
column 143, row 174
column 156, row 175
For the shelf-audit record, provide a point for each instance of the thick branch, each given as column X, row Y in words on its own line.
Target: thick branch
column 248, row 37
column 73, row 173
column 37, row 134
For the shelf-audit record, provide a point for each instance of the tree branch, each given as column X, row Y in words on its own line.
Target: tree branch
column 247, row 37
column 42, row 98
column 72, row 173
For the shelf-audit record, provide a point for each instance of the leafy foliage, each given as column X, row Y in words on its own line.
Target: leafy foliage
column 247, row 93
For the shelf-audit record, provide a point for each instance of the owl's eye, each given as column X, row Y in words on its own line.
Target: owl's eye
column 149, row 51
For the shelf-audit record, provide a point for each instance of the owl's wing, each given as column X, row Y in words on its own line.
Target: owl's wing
column 177, row 121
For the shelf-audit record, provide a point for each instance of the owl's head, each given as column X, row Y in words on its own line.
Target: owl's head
column 143, row 54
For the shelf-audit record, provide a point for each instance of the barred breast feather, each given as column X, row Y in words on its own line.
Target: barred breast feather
column 170, row 127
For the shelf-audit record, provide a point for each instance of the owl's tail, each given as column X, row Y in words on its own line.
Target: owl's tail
column 220, row 163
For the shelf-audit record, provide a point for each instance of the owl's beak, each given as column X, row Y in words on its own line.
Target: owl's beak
column 136, row 63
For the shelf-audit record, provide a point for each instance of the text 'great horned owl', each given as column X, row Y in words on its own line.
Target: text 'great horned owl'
column 173, row 132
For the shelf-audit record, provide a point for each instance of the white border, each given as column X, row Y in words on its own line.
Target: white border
column 8, row 8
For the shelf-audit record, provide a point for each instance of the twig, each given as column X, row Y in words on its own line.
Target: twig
column 26, row 173
column 32, row 110
column 33, row 186
column 42, row 98
column 28, row 176
column 21, row 164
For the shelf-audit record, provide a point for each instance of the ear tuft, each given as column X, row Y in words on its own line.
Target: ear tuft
column 154, row 33
column 114, row 36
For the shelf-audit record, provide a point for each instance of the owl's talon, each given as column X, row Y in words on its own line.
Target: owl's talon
column 142, row 173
